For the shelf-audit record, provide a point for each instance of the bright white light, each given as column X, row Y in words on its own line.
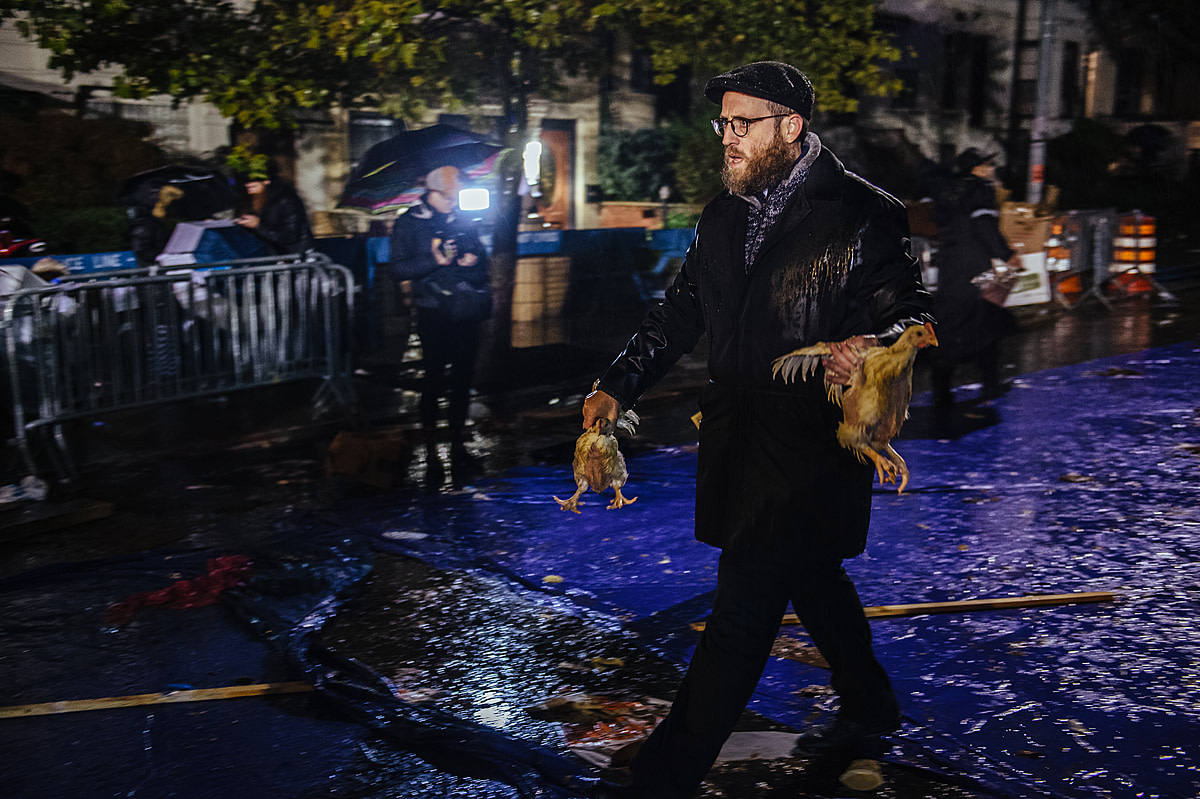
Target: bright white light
column 474, row 199
column 532, row 159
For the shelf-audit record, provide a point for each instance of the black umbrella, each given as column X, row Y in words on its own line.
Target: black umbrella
column 389, row 175
column 206, row 192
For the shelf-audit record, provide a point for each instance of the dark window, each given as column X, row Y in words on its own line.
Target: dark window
column 1025, row 79
column 1026, row 98
column 368, row 129
column 641, row 72
column 977, row 90
column 965, row 75
column 1130, row 72
column 953, row 52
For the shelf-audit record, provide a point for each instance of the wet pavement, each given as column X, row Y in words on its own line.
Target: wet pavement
column 477, row 603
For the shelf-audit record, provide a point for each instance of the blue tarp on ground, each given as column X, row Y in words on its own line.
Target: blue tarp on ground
column 1080, row 479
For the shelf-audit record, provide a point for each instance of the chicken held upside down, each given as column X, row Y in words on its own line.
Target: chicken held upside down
column 598, row 464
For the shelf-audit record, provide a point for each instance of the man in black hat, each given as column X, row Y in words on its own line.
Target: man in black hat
column 796, row 251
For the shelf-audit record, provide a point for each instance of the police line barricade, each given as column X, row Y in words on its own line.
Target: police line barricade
column 121, row 340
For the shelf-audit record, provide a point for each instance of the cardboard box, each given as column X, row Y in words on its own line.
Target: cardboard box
column 1033, row 284
column 1025, row 231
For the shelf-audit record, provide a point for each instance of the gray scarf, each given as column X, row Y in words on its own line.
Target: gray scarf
column 765, row 210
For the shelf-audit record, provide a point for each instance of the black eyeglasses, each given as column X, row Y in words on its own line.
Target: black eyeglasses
column 740, row 125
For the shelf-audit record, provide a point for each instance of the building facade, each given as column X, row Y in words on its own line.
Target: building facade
column 969, row 76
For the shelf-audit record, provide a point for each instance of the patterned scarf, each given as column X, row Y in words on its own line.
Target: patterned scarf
column 766, row 209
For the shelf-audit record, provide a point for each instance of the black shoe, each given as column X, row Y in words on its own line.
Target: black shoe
column 844, row 735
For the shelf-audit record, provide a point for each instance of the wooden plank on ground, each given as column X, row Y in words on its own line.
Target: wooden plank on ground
column 169, row 697
column 969, row 605
column 43, row 517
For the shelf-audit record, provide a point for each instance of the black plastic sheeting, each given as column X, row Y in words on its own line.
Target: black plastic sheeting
column 279, row 746
column 290, row 601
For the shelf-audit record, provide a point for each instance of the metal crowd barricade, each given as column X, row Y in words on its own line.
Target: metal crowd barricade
column 116, row 341
column 1087, row 238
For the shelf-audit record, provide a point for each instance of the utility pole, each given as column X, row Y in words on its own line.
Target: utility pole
column 1012, row 158
column 1041, row 117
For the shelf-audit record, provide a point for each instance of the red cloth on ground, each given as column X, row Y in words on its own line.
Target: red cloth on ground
column 222, row 572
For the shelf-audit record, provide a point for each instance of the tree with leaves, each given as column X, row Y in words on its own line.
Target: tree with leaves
column 265, row 63
column 834, row 42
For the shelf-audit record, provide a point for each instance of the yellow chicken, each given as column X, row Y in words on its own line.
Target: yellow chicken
column 875, row 401
column 599, row 464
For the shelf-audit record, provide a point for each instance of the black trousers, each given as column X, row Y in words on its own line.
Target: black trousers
column 987, row 360
column 752, row 596
column 449, row 350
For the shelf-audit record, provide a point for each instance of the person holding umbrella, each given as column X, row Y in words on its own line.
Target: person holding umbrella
column 442, row 255
column 160, row 198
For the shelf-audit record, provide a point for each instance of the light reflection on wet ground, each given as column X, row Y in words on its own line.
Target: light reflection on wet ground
column 1079, row 479
column 477, row 648
column 1085, row 483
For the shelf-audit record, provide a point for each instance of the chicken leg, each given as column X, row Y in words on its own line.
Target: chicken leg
column 888, row 463
column 572, row 504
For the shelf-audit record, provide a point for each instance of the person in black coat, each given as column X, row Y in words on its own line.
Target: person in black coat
column 151, row 222
column 276, row 215
column 437, row 250
column 969, row 327
column 797, row 251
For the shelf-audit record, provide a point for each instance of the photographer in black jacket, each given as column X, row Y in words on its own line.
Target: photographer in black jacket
column 441, row 254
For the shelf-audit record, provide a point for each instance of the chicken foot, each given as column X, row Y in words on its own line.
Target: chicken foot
column 888, row 466
column 571, row 504
column 620, row 501
column 888, row 463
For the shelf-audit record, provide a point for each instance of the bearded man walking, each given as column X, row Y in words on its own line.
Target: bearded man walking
column 796, row 251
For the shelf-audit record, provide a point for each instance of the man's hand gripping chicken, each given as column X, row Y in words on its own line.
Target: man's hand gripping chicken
column 872, row 384
column 598, row 463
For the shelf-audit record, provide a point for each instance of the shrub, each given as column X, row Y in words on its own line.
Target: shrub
column 76, row 230
column 633, row 165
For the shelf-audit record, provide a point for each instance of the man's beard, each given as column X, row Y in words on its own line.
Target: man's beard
column 762, row 171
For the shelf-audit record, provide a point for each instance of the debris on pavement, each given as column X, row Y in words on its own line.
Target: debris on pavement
column 30, row 488
column 221, row 573
column 602, row 731
column 379, row 458
column 862, row 775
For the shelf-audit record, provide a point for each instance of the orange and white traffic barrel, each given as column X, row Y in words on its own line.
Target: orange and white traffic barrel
column 1134, row 251
column 1135, row 244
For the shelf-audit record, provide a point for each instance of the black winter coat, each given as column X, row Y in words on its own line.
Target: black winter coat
column 412, row 257
column 968, row 239
column 772, row 479
column 283, row 222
